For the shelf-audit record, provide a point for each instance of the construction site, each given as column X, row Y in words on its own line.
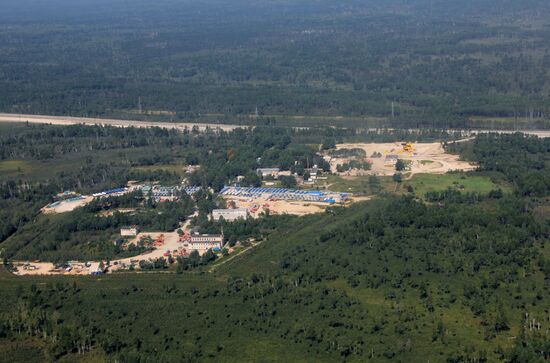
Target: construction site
column 157, row 245
column 282, row 200
column 244, row 202
column 427, row 158
column 72, row 268
column 69, row 201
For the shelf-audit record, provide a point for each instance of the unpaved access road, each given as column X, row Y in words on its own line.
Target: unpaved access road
column 63, row 120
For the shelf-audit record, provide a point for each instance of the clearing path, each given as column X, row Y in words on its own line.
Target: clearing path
column 230, row 258
column 67, row 120
column 64, row 120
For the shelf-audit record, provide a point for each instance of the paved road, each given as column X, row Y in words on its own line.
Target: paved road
column 63, row 120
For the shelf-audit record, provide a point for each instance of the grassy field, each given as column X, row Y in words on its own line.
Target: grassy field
column 357, row 185
column 38, row 170
column 35, row 170
column 22, row 351
column 172, row 168
column 423, row 183
column 14, row 168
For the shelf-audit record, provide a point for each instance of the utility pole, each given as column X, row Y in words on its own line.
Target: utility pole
column 392, row 110
column 139, row 104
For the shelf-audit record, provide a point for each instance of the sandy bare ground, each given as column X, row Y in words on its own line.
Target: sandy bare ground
column 297, row 208
column 67, row 206
column 48, row 268
column 63, row 120
column 171, row 244
column 425, row 158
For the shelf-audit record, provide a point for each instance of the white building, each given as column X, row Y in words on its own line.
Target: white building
column 230, row 215
column 129, row 231
column 205, row 241
column 266, row 172
column 391, row 159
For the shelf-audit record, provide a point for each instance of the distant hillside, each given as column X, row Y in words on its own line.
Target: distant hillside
column 441, row 63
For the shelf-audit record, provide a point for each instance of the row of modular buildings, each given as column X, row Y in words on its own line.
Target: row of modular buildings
column 161, row 193
column 286, row 194
column 112, row 192
column 202, row 242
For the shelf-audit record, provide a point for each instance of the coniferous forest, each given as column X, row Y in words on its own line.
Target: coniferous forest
column 448, row 276
column 415, row 263
column 460, row 63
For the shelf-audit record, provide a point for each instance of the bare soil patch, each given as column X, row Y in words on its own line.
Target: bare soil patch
column 423, row 157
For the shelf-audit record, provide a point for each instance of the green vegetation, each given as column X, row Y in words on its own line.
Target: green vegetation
column 85, row 235
column 353, row 63
column 402, row 165
column 288, row 181
column 358, row 185
column 347, row 153
column 158, row 169
column 399, row 282
column 353, row 164
column 14, row 167
column 439, row 274
column 525, row 161
column 435, row 268
column 464, row 182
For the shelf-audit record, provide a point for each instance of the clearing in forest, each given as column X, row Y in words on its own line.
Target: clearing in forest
column 426, row 158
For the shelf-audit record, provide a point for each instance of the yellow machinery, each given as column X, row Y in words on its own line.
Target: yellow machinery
column 407, row 147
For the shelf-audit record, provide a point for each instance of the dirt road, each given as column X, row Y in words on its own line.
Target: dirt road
column 63, row 120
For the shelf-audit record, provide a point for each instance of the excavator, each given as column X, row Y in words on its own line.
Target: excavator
column 408, row 147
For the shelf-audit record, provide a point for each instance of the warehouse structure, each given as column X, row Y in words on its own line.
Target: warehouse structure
column 129, row 231
column 230, row 215
column 268, row 172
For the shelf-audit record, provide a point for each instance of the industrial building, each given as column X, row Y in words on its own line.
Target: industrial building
column 230, row 215
column 161, row 193
column 268, row 172
column 129, row 231
column 391, row 159
column 205, row 242
column 273, row 194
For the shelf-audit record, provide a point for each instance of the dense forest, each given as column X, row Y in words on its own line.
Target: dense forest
column 395, row 62
column 453, row 277
column 448, row 268
column 391, row 280
column 524, row 160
